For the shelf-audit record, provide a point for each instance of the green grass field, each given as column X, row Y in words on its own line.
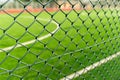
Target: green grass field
column 83, row 38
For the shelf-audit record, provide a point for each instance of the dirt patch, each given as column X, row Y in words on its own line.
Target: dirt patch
column 34, row 10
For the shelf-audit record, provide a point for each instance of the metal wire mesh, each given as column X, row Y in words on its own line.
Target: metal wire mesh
column 59, row 39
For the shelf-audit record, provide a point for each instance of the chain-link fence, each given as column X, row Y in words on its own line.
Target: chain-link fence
column 59, row 39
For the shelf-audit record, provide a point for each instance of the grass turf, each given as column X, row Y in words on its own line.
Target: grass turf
column 83, row 38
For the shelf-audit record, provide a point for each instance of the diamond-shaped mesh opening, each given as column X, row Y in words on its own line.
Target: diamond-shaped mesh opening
column 59, row 39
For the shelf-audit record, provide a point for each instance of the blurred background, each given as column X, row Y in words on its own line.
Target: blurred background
column 66, row 4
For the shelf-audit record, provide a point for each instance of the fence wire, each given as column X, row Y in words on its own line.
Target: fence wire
column 59, row 39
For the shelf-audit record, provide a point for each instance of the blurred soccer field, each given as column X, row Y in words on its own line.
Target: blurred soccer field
column 80, row 41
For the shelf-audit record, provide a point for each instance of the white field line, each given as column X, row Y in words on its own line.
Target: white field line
column 32, row 41
column 91, row 67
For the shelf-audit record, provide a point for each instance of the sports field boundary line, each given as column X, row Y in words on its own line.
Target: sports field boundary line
column 91, row 67
column 32, row 41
